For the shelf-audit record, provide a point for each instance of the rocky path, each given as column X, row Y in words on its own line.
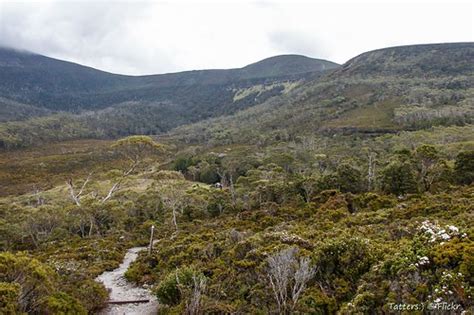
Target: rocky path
column 121, row 290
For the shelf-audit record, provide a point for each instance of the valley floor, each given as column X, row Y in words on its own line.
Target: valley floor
column 344, row 247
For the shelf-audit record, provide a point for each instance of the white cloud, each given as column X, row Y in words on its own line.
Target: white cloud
column 156, row 36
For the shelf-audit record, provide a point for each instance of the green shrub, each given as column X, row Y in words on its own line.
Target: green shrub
column 91, row 294
column 62, row 304
column 168, row 291
column 9, row 295
column 341, row 263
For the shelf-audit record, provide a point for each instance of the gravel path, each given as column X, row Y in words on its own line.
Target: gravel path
column 121, row 290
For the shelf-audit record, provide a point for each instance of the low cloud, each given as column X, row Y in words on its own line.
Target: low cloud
column 294, row 42
column 135, row 37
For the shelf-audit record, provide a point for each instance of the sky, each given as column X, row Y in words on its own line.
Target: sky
column 151, row 37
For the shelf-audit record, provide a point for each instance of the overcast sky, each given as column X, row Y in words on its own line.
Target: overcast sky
column 156, row 36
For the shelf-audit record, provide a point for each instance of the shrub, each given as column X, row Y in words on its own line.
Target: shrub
column 9, row 295
column 167, row 175
column 341, row 262
column 62, row 304
column 168, row 291
column 93, row 295
column 34, row 280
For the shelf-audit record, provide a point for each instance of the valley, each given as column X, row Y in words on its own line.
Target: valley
column 356, row 180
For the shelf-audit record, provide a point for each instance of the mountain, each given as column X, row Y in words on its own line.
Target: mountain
column 58, row 85
column 382, row 91
column 36, row 89
column 284, row 65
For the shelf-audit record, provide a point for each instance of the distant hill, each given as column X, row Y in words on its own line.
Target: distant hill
column 428, row 60
column 279, row 98
column 36, row 92
column 59, row 85
column 382, row 91
column 284, row 65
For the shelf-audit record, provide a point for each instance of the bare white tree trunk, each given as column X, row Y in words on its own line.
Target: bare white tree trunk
column 288, row 275
column 194, row 303
column 303, row 273
column 308, row 188
column 371, row 171
column 76, row 196
column 112, row 190
column 192, row 293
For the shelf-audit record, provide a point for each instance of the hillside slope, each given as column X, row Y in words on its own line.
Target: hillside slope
column 46, row 100
column 387, row 90
column 59, row 85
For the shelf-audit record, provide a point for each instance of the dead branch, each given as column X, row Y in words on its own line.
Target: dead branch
column 76, row 197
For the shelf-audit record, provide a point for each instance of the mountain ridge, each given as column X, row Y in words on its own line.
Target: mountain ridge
column 112, row 105
column 41, row 81
column 362, row 96
column 383, row 91
column 6, row 49
column 415, row 53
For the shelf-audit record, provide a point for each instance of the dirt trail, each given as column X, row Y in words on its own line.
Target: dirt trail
column 121, row 290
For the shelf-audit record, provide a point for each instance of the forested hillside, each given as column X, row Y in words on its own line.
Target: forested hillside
column 62, row 96
column 350, row 193
column 384, row 91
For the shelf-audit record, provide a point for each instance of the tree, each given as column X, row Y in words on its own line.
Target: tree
column 182, row 163
column 309, row 187
column 133, row 148
column 288, row 278
column 464, row 167
column 321, row 162
column 399, row 178
column 77, row 194
column 172, row 196
column 428, row 164
column 218, row 201
column 372, row 162
column 208, row 173
column 40, row 223
column 283, row 160
column 349, row 179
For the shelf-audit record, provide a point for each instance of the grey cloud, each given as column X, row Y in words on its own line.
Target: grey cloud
column 297, row 43
column 97, row 34
column 146, row 37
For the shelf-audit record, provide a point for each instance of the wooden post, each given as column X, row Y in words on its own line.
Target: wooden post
column 151, row 240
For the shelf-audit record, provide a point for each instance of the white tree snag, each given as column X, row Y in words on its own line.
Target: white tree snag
column 76, row 196
column 194, row 302
column 371, row 171
column 112, row 190
column 288, row 275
